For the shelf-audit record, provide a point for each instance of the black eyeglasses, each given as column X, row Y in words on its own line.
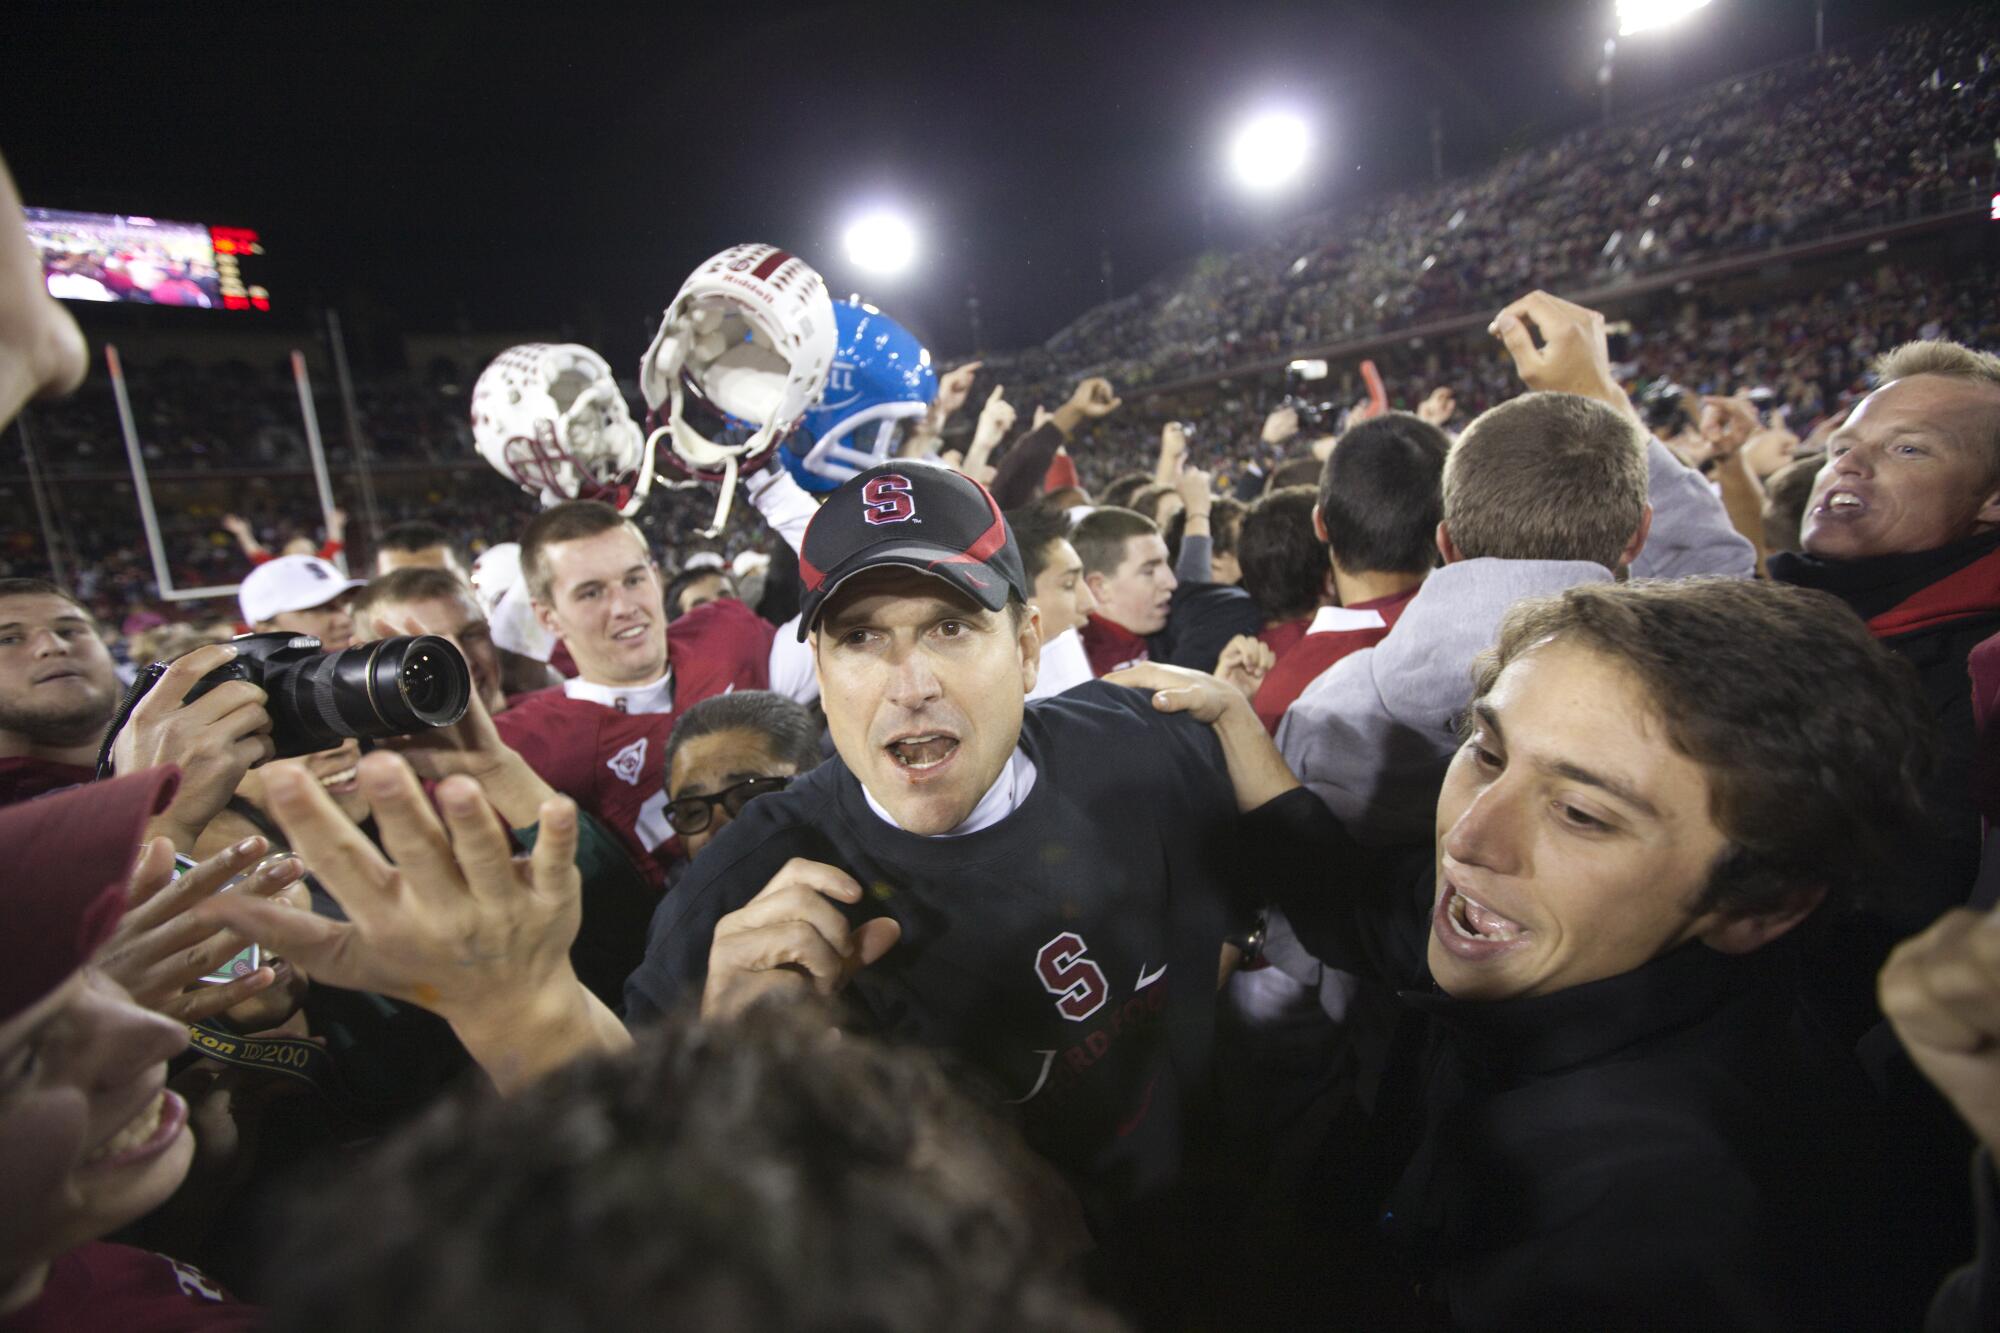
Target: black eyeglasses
column 692, row 814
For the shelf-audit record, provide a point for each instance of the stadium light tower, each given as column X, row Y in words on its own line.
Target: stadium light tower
column 881, row 242
column 1634, row 17
column 1270, row 150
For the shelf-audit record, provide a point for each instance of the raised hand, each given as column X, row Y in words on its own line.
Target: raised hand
column 1438, row 407
column 996, row 418
column 1092, row 399
column 1574, row 355
column 159, row 950
column 791, row 939
column 1281, row 425
column 1941, row 992
column 1173, row 453
column 1727, row 424
column 449, row 919
column 1192, row 485
column 1244, row 663
column 953, row 389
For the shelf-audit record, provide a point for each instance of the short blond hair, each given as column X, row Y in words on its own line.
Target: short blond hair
column 1546, row 476
column 1954, row 361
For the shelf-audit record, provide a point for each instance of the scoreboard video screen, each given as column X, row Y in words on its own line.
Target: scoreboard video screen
column 147, row 261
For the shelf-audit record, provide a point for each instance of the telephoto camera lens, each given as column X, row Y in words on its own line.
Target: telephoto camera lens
column 390, row 687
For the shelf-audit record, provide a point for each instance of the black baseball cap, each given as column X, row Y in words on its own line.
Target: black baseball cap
column 920, row 515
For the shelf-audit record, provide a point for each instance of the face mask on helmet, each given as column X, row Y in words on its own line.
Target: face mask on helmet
column 550, row 417
column 880, row 380
column 743, row 349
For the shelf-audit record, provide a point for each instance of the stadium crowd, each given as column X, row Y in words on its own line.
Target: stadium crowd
column 1812, row 147
column 1499, row 841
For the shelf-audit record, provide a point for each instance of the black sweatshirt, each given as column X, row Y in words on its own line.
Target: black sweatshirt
column 1066, row 954
column 1676, row 1147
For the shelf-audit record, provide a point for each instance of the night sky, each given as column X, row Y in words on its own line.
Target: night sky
column 529, row 166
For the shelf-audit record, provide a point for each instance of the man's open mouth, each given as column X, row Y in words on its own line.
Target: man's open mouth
column 1475, row 922
column 924, row 751
column 629, row 633
column 1842, row 502
column 144, row 1134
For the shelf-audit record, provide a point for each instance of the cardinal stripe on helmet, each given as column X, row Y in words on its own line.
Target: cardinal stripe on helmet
column 771, row 264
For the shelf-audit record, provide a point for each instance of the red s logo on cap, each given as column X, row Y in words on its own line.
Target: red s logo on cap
column 886, row 499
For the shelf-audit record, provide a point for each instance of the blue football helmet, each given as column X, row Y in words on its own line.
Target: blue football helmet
column 881, row 375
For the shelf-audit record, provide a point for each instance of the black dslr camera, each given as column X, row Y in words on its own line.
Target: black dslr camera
column 316, row 699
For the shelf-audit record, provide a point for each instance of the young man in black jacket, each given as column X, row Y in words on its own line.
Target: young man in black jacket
column 1610, row 1109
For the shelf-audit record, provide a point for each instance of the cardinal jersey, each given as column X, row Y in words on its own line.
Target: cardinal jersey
column 23, row 778
column 1334, row 633
column 100, row 1286
column 611, row 762
column 1111, row 646
column 1066, row 954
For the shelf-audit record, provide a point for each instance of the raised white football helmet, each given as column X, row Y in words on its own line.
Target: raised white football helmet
column 550, row 417
column 751, row 334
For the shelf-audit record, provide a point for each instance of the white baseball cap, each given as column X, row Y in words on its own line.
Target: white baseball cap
column 291, row 583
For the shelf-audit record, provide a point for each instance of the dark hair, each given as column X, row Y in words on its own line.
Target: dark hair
column 417, row 534
column 1100, row 536
column 1035, row 526
column 1546, row 476
column 570, row 521
column 757, row 1174
column 1283, row 563
column 412, row 583
column 1225, row 525
column 1146, row 500
column 686, row 579
column 1293, row 472
column 1118, row 494
column 32, row 587
column 1815, row 769
column 1066, row 497
column 1786, row 494
column 785, row 723
column 1381, row 495
column 782, row 588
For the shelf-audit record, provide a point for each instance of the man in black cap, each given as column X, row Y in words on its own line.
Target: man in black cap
column 1040, row 891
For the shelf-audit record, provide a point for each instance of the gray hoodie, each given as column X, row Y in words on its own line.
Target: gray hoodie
column 1371, row 736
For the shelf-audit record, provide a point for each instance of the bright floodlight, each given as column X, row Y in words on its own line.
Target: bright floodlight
column 1639, row 15
column 881, row 243
column 1270, row 150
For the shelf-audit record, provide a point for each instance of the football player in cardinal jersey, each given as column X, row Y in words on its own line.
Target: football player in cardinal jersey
column 750, row 335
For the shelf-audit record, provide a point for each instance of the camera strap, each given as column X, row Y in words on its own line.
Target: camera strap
column 296, row 1058
column 144, row 681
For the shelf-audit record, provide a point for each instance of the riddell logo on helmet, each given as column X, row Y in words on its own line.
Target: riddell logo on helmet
column 760, row 290
column 886, row 499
